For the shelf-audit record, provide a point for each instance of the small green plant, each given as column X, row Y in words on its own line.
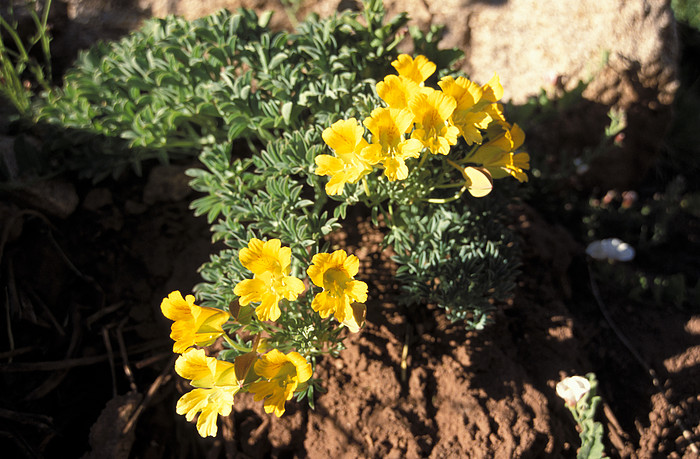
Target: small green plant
column 657, row 226
column 579, row 393
column 16, row 64
column 176, row 87
column 273, row 118
column 418, row 162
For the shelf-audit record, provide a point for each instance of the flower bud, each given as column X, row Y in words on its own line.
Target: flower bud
column 573, row 389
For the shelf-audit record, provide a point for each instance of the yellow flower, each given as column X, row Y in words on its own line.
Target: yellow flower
column 468, row 117
column 396, row 91
column 209, row 403
column 214, row 389
column 492, row 93
column 516, row 165
column 498, row 154
column 263, row 256
column 281, row 375
column 271, row 265
column 418, row 69
column 513, row 137
column 432, row 110
column 389, row 145
column 501, row 164
column 478, row 181
column 335, row 273
column 495, row 111
column 193, row 325
column 350, row 164
column 493, row 90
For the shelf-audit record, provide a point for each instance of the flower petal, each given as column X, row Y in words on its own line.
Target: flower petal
column 356, row 320
column 269, row 307
column 192, row 402
column 418, row 69
column 303, row 368
column 250, row 290
column 479, row 182
column 291, row 287
column 357, row 291
column 174, row 307
column 328, row 165
column 493, row 91
column 270, row 364
column 193, row 365
column 343, row 136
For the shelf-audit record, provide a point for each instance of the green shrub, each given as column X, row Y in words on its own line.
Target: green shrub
column 175, row 87
column 260, row 109
column 252, row 103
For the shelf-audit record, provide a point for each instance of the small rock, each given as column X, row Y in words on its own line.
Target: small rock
column 106, row 438
column 134, row 207
column 97, row 198
column 167, row 184
column 56, row 197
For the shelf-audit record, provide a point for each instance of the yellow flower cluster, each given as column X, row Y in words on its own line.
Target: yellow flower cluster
column 270, row 263
column 275, row 376
column 421, row 120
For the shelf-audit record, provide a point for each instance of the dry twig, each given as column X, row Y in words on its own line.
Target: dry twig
column 125, row 357
column 162, row 379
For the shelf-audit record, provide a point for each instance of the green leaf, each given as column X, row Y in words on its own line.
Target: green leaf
column 287, row 112
column 264, row 19
column 277, row 59
column 237, row 129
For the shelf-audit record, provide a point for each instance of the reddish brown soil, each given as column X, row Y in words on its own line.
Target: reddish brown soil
column 76, row 289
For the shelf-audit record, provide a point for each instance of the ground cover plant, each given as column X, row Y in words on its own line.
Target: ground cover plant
column 458, row 257
column 338, row 225
column 210, row 86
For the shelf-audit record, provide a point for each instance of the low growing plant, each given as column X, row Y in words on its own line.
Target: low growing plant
column 579, row 394
column 176, row 86
column 657, row 225
column 408, row 166
column 291, row 130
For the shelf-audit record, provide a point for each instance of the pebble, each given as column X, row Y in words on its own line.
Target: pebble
column 54, row 196
column 97, row 198
column 167, row 184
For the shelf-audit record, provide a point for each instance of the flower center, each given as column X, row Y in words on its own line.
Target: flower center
column 334, row 281
column 286, row 375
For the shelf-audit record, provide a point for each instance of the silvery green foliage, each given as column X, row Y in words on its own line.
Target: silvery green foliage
column 458, row 256
column 252, row 104
column 176, row 86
